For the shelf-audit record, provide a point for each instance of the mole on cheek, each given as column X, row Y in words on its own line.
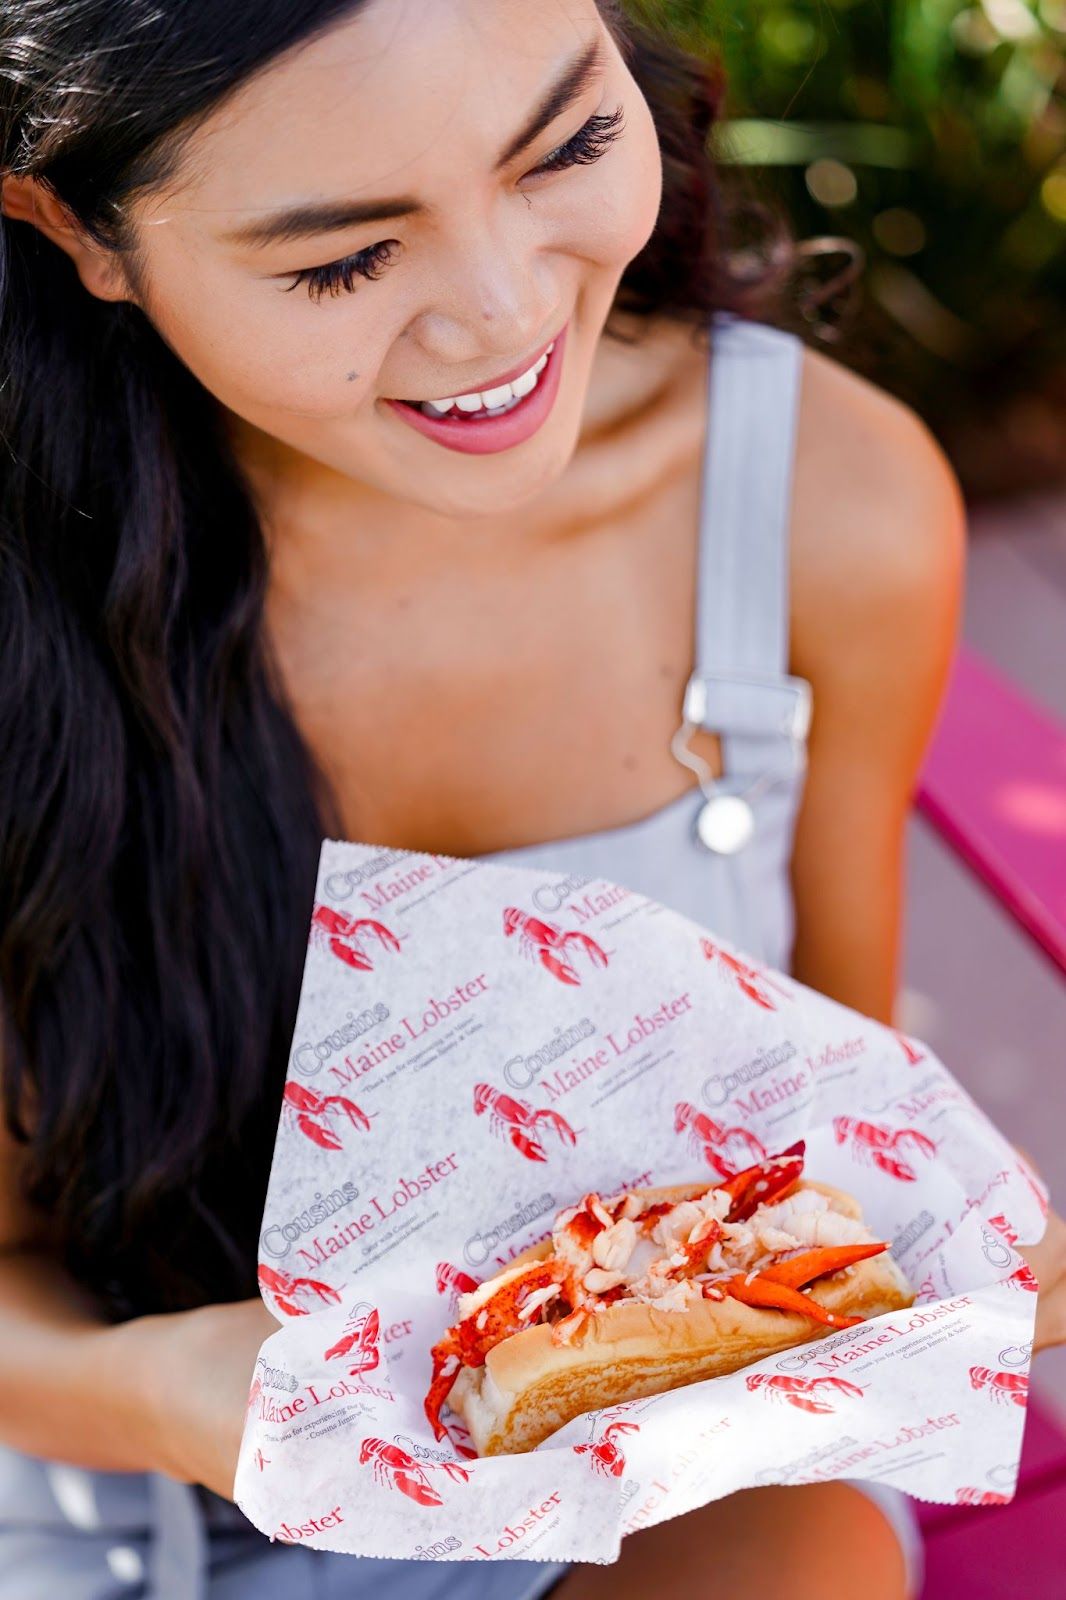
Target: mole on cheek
column 352, row 375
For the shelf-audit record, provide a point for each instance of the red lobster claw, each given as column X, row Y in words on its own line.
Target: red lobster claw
column 529, row 1147
column 416, row 1490
column 559, row 968
column 778, row 1288
column 321, row 1136
column 766, row 1181
column 350, row 956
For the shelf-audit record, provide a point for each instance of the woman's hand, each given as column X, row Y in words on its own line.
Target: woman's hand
column 194, row 1369
column 1048, row 1261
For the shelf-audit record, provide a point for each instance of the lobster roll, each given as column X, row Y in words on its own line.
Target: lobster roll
column 643, row 1291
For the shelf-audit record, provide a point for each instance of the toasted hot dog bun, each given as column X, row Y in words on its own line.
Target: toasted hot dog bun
column 530, row 1386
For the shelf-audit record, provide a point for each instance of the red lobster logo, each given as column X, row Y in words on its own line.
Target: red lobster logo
column 1006, row 1388
column 911, row 1051
column 311, row 1110
column 980, row 1497
column 872, row 1143
column 362, row 1338
column 453, row 1281
column 395, row 1469
column 1004, row 1228
column 343, row 936
column 1023, row 1277
column 517, row 1120
column 755, row 982
column 605, row 1456
column 718, row 1145
column 287, row 1291
column 547, row 943
column 798, row 1391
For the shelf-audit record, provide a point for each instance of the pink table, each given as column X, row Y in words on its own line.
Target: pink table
column 994, row 786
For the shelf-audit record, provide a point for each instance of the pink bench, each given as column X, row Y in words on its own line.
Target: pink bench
column 994, row 786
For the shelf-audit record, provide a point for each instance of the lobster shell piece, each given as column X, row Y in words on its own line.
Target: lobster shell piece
column 530, row 1384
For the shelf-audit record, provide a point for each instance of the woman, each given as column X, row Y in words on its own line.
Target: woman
column 255, row 590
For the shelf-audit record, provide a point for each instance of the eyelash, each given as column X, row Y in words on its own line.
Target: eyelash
column 587, row 145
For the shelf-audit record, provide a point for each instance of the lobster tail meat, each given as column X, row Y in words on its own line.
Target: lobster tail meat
column 799, row 1270
column 765, row 1182
column 755, row 1289
column 446, row 1367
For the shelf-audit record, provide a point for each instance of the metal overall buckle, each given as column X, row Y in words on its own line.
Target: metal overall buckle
column 740, row 703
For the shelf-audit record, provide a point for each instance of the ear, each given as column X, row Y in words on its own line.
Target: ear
column 27, row 199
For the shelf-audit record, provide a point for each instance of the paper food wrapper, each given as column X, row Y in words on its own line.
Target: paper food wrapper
column 479, row 1045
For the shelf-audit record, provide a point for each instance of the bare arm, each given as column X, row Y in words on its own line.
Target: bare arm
column 878, row 552
column 878, row 562
column 155, row 1394
column 57, row 1358
column 66, row 1390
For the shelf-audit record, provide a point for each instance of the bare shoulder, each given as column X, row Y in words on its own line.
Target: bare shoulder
column 878, row 546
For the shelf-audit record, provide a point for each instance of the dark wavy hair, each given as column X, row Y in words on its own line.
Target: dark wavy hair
column 160, row 816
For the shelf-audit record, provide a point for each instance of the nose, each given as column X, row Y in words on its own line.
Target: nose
column 499, row 301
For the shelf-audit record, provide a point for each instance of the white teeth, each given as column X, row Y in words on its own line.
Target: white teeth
column 498, row 396
column 494, row 401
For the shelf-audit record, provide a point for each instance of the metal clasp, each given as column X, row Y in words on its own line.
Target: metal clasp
column 748, row 703
column 732, row 703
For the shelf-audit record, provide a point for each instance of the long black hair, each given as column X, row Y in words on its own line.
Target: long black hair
column 160, row 816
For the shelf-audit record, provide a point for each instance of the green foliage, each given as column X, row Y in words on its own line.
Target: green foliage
column 932, row 133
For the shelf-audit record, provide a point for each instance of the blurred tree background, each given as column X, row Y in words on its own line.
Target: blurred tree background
column 931, row 134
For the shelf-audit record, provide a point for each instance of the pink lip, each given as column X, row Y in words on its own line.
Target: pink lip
column 490, row 434
column 512, row 372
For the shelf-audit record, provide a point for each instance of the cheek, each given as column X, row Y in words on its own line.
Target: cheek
column 622, row 220
column 260, row 350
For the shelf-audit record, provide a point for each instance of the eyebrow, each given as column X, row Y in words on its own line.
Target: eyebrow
column 330, row 216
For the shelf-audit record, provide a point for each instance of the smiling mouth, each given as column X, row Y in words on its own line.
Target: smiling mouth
column 494, row 401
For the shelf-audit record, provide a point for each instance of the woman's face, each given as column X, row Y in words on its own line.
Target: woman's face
column 498, row 252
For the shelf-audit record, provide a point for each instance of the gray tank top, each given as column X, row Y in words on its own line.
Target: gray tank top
column 741, row 687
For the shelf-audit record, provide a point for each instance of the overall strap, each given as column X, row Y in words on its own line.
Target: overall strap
column 741, row 687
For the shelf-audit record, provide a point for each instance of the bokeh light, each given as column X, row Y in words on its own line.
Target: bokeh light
column 932, row 134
